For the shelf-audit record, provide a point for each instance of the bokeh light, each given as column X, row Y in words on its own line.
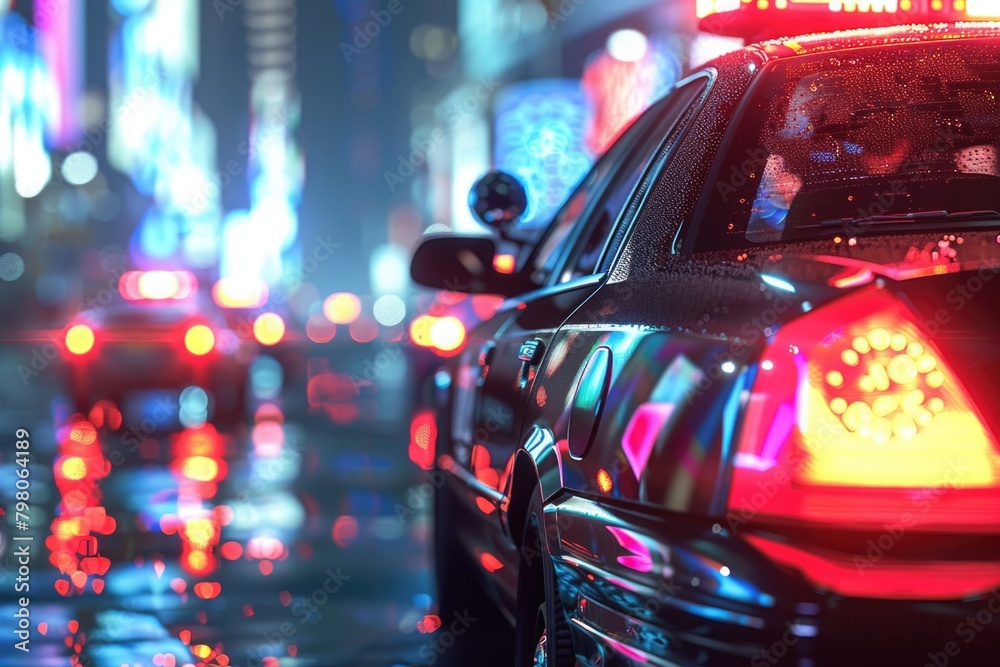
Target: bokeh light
column 447, row 334
column 11, row 266
column 79, row 168
column 269, row 329
column 79, row 339
column 199, row 340
column 389, row 310
column 342, row 308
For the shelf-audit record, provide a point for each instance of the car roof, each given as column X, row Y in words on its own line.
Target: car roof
column 155, row 314
column 872, row 37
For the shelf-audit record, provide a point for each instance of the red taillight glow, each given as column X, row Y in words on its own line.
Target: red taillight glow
column 890, row 578
column 447, row 334
column 423, row 439
column 269, row 329
column 80, row 339
column 859, row 421
column 157, row 285
column 199, row 340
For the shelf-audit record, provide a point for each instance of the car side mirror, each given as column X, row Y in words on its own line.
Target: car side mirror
column 464, row 264
column 498, row 200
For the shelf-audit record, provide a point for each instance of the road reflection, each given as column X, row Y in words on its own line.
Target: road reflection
column 171, row 542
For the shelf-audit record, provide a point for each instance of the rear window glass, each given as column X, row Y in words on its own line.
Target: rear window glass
column 887, row 132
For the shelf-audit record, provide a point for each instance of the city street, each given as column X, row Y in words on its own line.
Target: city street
column 499, row 333
column 329, row 525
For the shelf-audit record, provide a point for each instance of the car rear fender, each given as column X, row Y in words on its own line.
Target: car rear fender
column 537, row 465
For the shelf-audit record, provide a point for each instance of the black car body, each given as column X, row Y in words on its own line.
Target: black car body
column 667, row 452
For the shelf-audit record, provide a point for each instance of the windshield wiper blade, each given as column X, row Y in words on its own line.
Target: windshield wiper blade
column 902, row 218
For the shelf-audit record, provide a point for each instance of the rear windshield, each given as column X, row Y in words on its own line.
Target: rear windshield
column 156, row 314
column 881, row 131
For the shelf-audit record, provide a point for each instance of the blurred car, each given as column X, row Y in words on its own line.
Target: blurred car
column 741, row 404
column 163, row 335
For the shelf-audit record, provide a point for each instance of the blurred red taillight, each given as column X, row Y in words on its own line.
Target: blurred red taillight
column 80, row 339
column 423, row 439
column 199, row 340
column 856, row 419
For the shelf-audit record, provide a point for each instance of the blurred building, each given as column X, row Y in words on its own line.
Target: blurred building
column 543, row 87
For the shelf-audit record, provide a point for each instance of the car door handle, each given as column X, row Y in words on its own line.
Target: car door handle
column 485, row 359
column 530, row 354
column 531, row 351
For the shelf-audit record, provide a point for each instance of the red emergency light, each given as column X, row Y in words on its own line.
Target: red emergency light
column 769, row 19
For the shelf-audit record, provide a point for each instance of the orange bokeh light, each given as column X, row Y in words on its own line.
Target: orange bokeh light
column 447, row 334
column 342, row 308
column 504, row 263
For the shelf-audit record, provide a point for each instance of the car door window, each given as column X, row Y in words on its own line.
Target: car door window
column 592, row 189
column 614, row 197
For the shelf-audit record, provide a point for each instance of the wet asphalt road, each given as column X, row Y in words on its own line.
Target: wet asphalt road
column 306, row 558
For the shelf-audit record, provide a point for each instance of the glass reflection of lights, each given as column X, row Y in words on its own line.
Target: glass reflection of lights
column 652, row 419
column 539, row 138
column 621, row 82
column 777, row 283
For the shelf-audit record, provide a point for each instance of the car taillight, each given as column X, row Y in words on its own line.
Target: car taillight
column 199, row 340
column 269, row 329
column 856, row 419
column 80, row 339
column 447, row 335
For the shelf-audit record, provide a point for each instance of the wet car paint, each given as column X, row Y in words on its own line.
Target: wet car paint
column 651, row 565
